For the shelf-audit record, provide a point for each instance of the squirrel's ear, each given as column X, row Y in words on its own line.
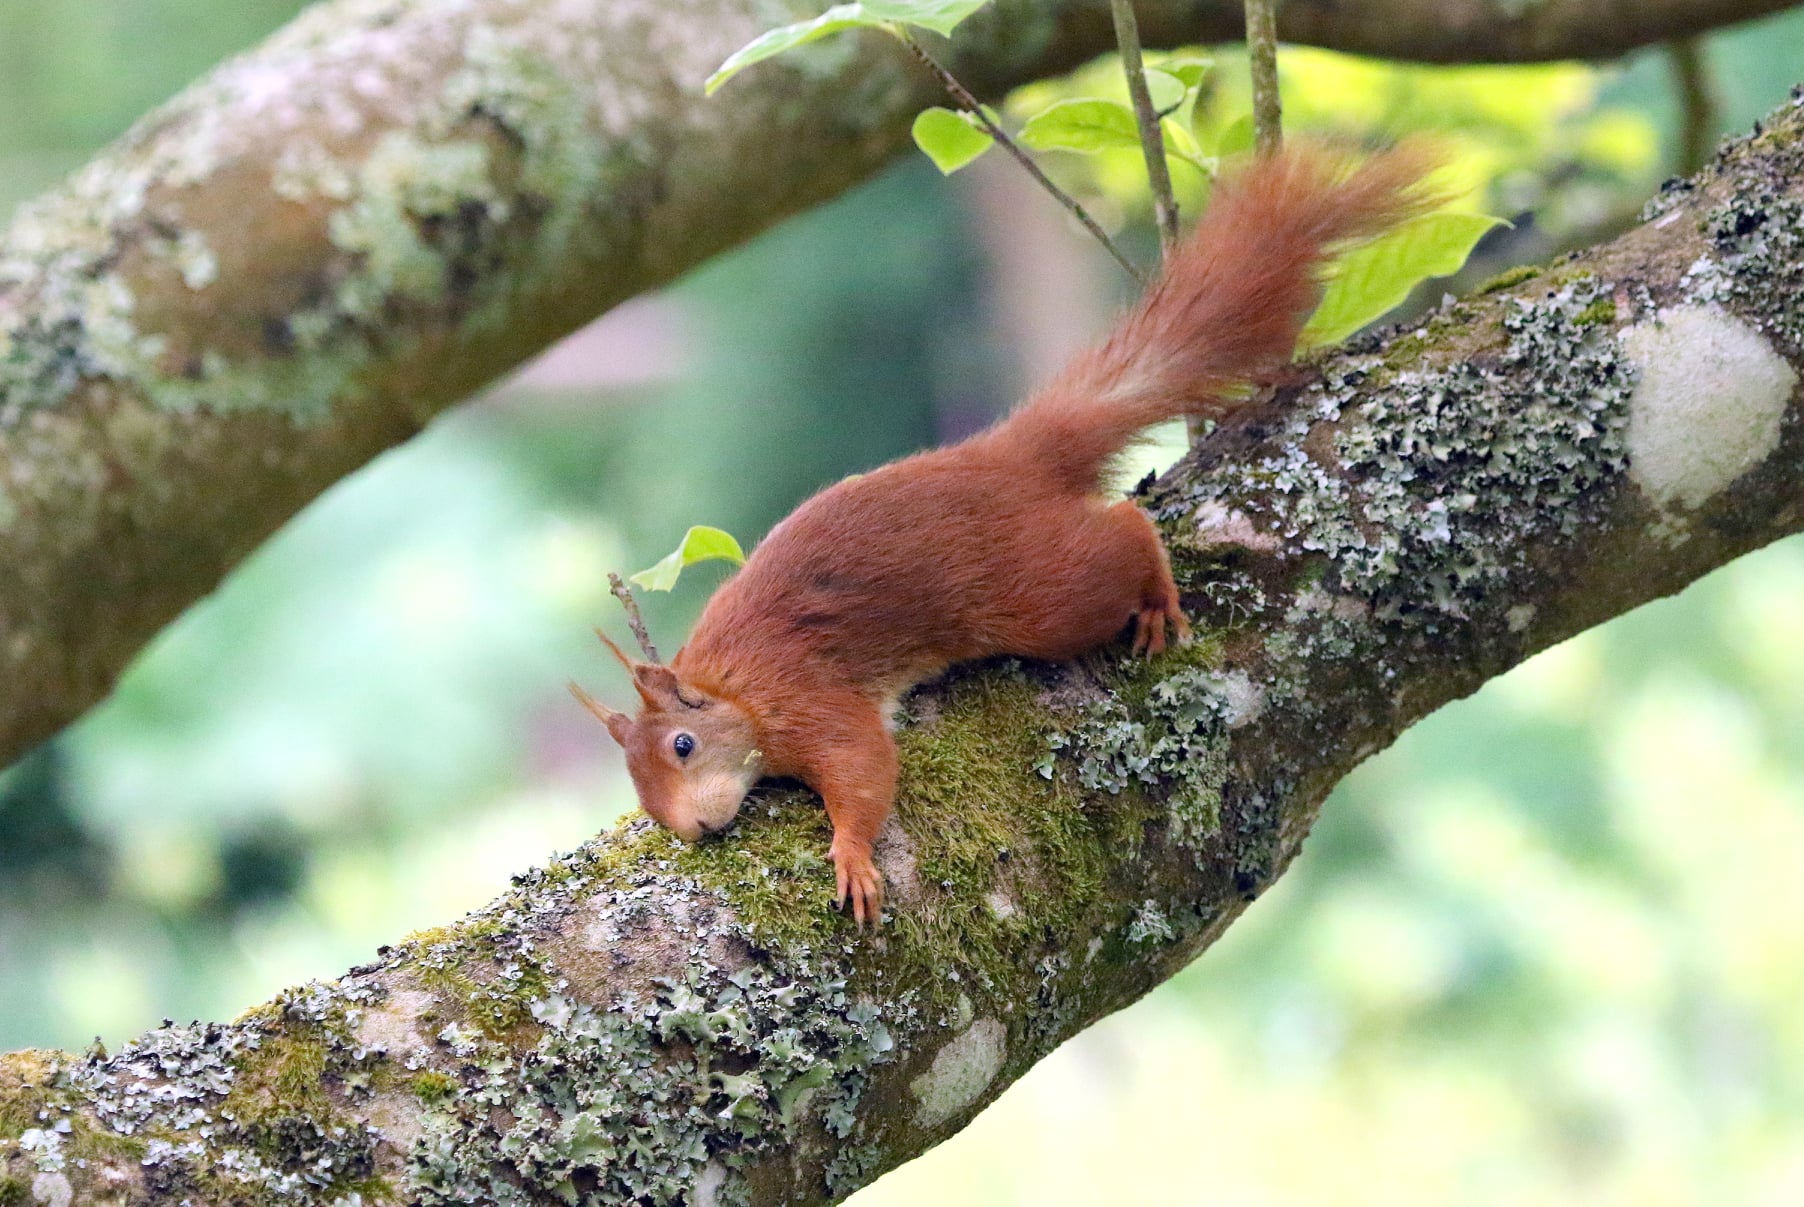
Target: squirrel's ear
column 619, row 724
column 658, row 686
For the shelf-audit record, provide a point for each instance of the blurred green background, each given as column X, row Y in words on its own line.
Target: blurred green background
column 1548, row 949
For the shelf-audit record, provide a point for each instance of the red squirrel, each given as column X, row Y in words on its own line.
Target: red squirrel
column 1000, row 544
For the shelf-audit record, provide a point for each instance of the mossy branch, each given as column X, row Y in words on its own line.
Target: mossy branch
column 641, row 1022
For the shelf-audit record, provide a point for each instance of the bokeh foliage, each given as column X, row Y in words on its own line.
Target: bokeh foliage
column 1547, row 949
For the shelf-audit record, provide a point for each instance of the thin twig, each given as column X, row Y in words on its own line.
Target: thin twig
column 1152, row 138
column 1697, row 101
column 970, row 104
column 1262, row 62
column 636, row 622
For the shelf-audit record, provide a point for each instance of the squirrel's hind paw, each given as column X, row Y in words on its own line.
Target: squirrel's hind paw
column 1149, row 628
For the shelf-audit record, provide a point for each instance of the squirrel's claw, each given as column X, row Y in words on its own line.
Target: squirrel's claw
column 857, row 880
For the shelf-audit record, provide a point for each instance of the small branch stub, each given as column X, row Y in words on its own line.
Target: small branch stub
column 634, row 620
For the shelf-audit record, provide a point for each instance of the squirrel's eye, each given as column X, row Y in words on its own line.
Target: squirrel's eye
column 683, row 744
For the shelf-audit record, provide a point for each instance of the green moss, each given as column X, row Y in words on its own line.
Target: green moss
column 1003, row 853
column 1603, row 310
column 480, row 974
column 14, row 1192
column 285, row 1076
column 1509, row 277
column 433, row 1087
column 1405, row 352
column 473, row 927
column 23, row 1096
column 773, row 868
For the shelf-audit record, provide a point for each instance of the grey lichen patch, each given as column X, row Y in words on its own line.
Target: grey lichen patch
column 52, row 1190
column 1219, row 527
column 1149, row 925
column 642, row 1099
column 61, row 255
column 563, row 157
column 1435, row 454
column 305, row 170
column 1711, row 398
column 248, row 1112
column 189, row 254
column 1757, row 239
column 1170, row 738
column 418, row 216
column 402, row 185
column 1437, row 480
column 961, row 1071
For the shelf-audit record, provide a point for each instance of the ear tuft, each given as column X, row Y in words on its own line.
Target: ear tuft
column 658, row 686
column 620, row 726
column 628, row 663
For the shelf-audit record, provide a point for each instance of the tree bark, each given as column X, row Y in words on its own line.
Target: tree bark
column 307, row 255
column 1378, row 535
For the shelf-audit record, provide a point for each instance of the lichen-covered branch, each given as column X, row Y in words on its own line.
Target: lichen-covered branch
column 303, row 258
column 646, row 1023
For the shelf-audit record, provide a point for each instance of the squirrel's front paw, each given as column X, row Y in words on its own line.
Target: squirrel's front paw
column 857, row 880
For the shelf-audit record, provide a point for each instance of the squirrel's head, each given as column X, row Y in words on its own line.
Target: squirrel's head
column 692, row 756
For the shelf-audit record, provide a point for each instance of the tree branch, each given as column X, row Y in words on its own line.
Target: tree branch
column 1152, row 138
column 645, row 1023
column 970, row 104
column 1262, row 63
column 303, row 258
column 1697, row 103
column 1484, row 31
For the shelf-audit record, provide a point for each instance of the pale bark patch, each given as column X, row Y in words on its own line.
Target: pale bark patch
column 961, row 1072
column 1707, row 406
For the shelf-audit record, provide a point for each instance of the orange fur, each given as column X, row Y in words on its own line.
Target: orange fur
column 999, row 545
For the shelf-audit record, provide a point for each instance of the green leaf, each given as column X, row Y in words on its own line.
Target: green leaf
column 699, row 544
column 1236, row 138
column 1371, row 280
column 1181, row 145
column 941, row 16
column 1167, row 90
column 788, row 37
column 1189, row 70
column 1082, row 125
column 949, row 138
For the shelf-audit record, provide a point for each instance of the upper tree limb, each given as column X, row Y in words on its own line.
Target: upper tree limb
column 306, row 256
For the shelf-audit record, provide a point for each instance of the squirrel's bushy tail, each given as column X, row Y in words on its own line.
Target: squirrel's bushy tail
column 1227, row 309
